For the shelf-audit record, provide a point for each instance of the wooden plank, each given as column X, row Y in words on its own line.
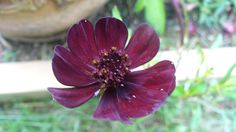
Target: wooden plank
column 25, row 78
column 220, row 60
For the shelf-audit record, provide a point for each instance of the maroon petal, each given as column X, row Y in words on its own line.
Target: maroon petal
column 73, row 97
column 161, row 66
column 145, row 91
column 108, row 109
column 68, row 70
column 110, row 32
column 81, row 41
column 160, row 76
column 143, row 45
column 137, row 101
column 73, row 60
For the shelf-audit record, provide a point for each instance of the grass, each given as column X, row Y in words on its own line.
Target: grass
column 211, row 110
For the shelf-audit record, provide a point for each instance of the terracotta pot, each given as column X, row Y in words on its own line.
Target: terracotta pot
column 40, row 18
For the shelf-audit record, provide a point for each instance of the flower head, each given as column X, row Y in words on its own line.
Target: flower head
column 97, row 60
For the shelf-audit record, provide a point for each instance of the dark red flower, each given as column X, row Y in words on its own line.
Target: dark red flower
column 98, row 61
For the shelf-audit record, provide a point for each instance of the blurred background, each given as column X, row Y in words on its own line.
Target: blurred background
column 199, row 36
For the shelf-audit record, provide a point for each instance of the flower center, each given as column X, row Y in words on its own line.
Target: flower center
column 111, row 68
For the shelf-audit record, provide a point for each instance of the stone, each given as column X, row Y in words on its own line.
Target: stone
column 42, row 18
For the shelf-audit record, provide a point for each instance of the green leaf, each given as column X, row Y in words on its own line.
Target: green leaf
column 130, row 32
column 234, row 2
column 228, row 74
column 218, row 41
column 139, row 6
column 154, row 12
column 230, row 94
column 116, row 13
column 196, row 117
column 179, row 91
column 198, row 89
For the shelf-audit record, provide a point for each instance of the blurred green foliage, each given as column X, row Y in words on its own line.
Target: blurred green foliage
column 8, row 56
column 184, row 111
column 154, row 13
column 116, row 13
column 211, row 13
